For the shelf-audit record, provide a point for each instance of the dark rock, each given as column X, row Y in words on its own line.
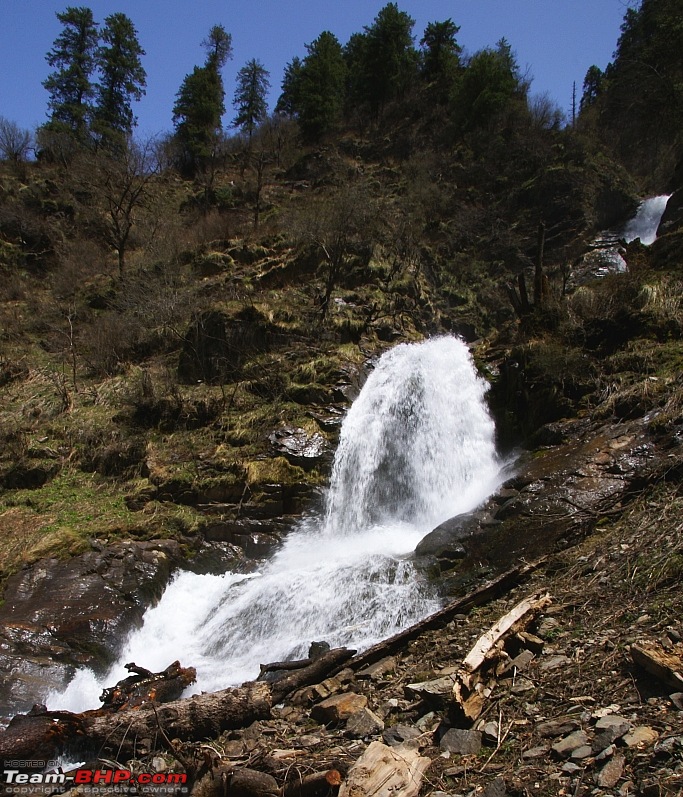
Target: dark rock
column 61, row 614
column 363, row 723
column 461, row 742
column 444, row 540
column 398, row 734
column 553, row 728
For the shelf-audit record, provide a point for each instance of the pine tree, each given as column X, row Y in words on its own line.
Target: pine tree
column 441, row 57
column 73, row 59
column 200, row 105
column 122, row 77
column 321, row 86
column 289, row 100
column 250, row 96
column 390, row 58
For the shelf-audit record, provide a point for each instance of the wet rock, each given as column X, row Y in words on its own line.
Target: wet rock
column 76, row 612
column 299, row 447
column 461, row 742
column 338, row 708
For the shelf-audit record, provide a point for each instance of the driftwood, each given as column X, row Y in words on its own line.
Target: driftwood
column 144, row 685
column 667, row 667
column 385, row 772
column 473, row 681
column 478, row 597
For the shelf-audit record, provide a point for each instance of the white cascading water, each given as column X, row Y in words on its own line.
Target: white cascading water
column 416, row 448
column 646, row 221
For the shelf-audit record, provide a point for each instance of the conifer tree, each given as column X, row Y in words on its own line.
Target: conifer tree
column 200, row 105
column 441, row 57
column 73, row 58
column 122, row 77
column 250, row 96
column 322, row 85
column 289, row 100
column 390, row 58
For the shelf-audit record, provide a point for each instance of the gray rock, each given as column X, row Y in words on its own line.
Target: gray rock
column 565, row 747
column 364, row 723
column 496, row 788
column 461, row 742
column 536, row 752
column 398, row 734
column 436, row 693
column 299, row 447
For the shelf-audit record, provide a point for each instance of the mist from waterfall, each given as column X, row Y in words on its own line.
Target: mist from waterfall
column 416, row 448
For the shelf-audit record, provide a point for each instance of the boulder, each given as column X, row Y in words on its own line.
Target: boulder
column 59, row 614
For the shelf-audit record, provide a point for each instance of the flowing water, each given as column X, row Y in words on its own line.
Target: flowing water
column 606, row 251
column 416, row 448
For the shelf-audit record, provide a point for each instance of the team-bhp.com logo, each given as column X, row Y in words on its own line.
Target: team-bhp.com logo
column 16, row 781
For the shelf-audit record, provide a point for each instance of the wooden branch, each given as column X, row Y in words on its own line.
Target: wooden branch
column 473, row 683
column 385, row 772
column 317, row 784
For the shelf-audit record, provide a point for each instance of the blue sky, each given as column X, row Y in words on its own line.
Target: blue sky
column 555, row 41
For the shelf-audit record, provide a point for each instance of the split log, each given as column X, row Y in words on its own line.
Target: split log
column 318, row 669
column 474, row 682
column 667, row 667
column 487, row 592
column 523, row 612
column 385, row 772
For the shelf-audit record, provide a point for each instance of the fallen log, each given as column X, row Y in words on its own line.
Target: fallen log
column 47, row 735
column 385, row 772
column 473, row 682
column 44, row 735
column 487, row 592
column 313, row 673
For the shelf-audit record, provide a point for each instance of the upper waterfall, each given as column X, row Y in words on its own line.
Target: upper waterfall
column 416, row 447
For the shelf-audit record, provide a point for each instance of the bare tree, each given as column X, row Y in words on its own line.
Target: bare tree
column 15, row 142
column 337, row 227
column 120, row 183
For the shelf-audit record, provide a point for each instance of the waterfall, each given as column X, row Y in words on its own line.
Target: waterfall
column 416, row 448
column 646, row 221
